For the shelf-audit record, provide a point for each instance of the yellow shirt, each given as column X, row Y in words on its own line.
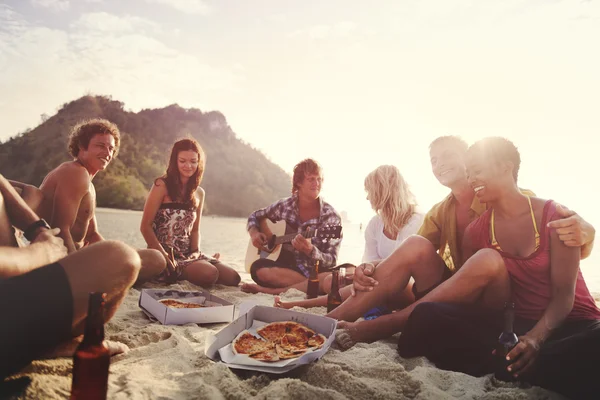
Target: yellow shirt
column 439, row 227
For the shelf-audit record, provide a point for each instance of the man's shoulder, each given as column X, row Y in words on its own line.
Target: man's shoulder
column 70, row 169
column 71, row 174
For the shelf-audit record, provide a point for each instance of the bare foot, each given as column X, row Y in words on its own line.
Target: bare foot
column 280, row 304
column 254, row 288
column 343, row 334
column 348, row 334
column 67, row 349
column 216, row 256
column 250, row 288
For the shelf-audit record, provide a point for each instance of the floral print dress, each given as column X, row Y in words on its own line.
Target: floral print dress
column 172, row 226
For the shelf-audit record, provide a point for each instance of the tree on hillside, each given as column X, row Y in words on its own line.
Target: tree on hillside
column 238, row 178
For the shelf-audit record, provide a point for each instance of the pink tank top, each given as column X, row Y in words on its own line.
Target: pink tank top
column 530, row 276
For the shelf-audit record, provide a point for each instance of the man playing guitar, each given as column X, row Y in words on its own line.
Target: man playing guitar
column 304, row 209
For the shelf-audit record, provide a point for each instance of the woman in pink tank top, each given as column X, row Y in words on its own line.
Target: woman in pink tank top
column 557, row 320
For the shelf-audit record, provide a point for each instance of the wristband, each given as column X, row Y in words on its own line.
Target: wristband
column 29, row 233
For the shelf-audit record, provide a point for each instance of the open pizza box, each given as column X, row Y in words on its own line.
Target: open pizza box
column 218, row 346
column 214, row 308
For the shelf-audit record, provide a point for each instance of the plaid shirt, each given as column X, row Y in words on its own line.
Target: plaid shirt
column 287, row 209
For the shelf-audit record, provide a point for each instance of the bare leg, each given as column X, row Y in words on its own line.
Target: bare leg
column 153, row 263
column 400, row 300
column 302, row 285
column 7, row 234
column 227, row 275
column 415, row 257
column 483, row 279
column 201, row 273
column 108, row 266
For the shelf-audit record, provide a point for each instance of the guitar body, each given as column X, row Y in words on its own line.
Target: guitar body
column 268, row 228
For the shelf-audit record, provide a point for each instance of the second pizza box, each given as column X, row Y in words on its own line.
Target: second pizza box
column 214, row 308
column 217, row 345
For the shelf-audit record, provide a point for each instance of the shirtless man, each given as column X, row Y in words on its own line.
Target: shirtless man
column 434, row 255
column 68, row 196
column 44, row 292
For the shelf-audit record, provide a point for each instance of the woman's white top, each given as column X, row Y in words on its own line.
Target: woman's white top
column 378, row 246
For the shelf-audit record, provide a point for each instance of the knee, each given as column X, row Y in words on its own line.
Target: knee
column 152, row 261
column 211, row 274
column 264, row 275
column 120, row 259
column 234, row 280
column 488, row 260
column 419, row 248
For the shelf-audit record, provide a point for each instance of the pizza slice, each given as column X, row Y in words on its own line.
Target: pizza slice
column 301, row 332
column 316, row 342
column 275, row 330
column 247, row 343
column 269, row 355
column 294, row 343
column 286, row 354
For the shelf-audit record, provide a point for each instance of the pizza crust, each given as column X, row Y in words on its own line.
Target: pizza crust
column 172, row 303
column 247, row 343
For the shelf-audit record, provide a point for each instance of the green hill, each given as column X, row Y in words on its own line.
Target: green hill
column 238, row 178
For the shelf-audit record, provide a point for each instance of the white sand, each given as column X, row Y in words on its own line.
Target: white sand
column 168, row 362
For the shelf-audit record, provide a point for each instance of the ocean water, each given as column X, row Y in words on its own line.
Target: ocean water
column 228, row 236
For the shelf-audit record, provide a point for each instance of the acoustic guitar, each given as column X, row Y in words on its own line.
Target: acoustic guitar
column 276, row 234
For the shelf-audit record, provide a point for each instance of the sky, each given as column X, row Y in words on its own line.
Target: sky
column 352, row 84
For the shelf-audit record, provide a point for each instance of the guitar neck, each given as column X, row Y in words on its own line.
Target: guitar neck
column 288, row 238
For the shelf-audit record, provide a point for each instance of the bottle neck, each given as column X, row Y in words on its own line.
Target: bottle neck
column 314, row 272
column 335, row 281
column 509, row 318
column 94, row 323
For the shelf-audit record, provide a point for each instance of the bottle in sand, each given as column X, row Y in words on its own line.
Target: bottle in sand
column 507, row 340
column 92, row 358
column 312, row 289
column 334, row 298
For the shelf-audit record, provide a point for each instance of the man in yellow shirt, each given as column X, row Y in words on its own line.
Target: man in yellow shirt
column 432, row 256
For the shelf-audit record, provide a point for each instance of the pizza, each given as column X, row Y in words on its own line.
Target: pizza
column 294, row 343
column 247, row 343
column 278, row 341
column 317, row 341
column 286, row 354
column 179, row 304
column 275, row 331
column 270, row 355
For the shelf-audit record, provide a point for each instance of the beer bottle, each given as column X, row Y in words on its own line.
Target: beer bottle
column 92, row 359
column 334, row 298
column 312, row 289
column 506, row 342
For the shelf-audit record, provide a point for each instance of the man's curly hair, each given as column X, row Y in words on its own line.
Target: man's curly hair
column 83, row 132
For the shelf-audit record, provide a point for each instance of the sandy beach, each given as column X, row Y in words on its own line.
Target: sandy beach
column 168, row 362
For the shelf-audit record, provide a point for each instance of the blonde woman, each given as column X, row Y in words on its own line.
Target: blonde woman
column 396, row 219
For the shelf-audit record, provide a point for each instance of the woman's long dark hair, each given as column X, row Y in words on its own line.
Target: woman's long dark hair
column 176, row 192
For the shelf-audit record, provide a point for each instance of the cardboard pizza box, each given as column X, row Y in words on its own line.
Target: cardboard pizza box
column 218, row 345
column 216, row 310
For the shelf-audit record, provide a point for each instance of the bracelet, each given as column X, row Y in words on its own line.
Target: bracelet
column 29, row 232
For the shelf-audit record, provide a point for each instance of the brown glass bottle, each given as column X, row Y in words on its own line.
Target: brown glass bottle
column 312, row 289
column 507, row 340
column 92, row 359
column 334, row 298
